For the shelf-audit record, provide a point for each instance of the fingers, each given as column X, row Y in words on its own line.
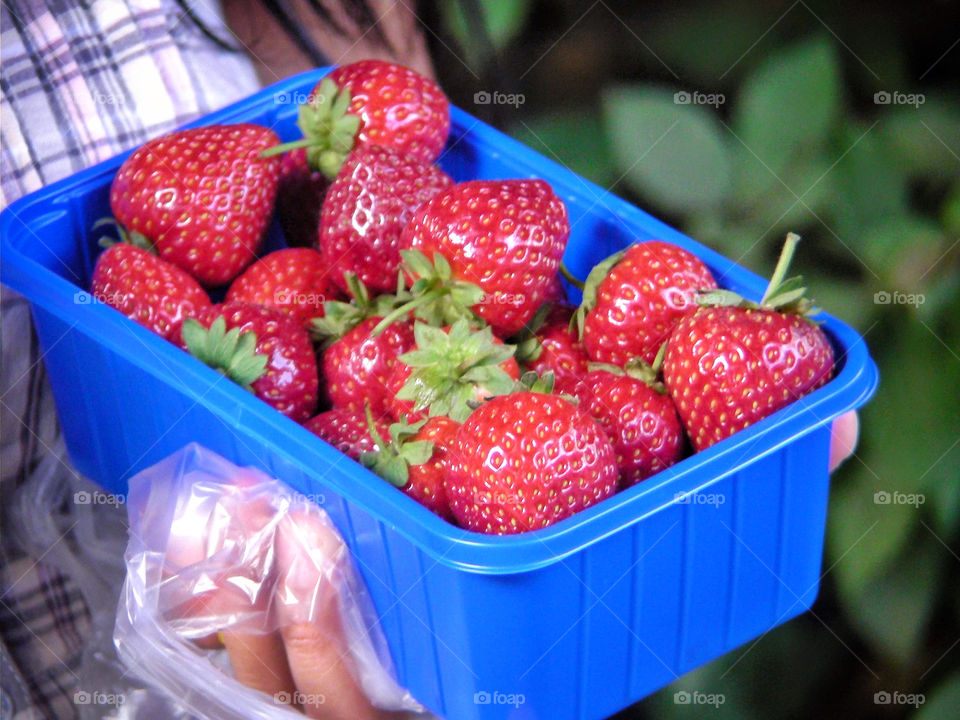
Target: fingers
column 259, row 662
column 843, row 438
column 308, row 559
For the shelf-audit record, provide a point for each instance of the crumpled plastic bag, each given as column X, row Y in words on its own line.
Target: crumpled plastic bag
column 218, row 551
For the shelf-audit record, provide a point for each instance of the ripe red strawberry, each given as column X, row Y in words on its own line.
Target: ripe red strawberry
column 487, row 248
column 734, row 362
column 156, row 294
column 300, row 195
column 202, row 197
column 555, row 347
column 450, row 369
column 525, row 461
column 368, row 205
column 357, row 367
column 638, row 417
column 415, row 460
column 261, row 349
column 633, row 299
column 346, row 429
column 371, row 102
column 293, row 280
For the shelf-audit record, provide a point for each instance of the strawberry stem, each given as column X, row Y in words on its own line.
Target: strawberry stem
column 571, row 278
column 783, row 264
column 287, row 146
column 408, row 307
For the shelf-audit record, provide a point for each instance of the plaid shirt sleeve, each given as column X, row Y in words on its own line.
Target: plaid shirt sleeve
column 80, row 82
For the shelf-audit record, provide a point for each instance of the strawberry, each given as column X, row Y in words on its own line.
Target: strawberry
column 294, row 280
column 734, row 362
column 450, row 369
column 347, row 430
column 261, row 349
column 369, row 203
column 300, row 195
column 555, row 347
column 485, row 248
column 371, row 102
column 357, row 367
column 525, row 461
column 415, row 460
column 638, row 416
column 203, row 197
column 632, row 300
column 156, row 294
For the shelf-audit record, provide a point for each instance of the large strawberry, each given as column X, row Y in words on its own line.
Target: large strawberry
column 415, row 460
column 156, row 294
column 486, row 248
column 261, row 349
column 347, row 430
column 366, row 208
column 202, row 197
column 633, row 299
column 734, row 362
column 525, row 461
column 300, row 195
column 371, row 102
column 449, row 370
column 294, row 280
column 357, row 367
column 637, row 415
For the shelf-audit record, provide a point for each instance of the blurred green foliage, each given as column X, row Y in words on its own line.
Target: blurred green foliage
column 786, row 132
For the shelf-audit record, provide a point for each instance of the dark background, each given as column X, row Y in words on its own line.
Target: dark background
column 801, row 141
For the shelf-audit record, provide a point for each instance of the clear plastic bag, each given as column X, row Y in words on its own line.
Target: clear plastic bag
column 218, row 551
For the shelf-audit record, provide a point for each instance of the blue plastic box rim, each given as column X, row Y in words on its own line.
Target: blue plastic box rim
column 853, row 385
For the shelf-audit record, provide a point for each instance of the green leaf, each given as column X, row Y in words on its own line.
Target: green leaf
column 923, row 140
column 575, row 138
column 942, row 702
column 503, row 22
column 788, row 104
column 673, row 154
column 906, row 591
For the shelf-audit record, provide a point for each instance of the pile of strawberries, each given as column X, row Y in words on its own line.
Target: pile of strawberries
column 420, row 325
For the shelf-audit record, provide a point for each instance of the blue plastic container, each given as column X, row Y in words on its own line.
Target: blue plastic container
column 576, row 621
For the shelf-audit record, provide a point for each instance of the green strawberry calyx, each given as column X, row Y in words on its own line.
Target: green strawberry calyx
column 529, row 347
column 435, row 297
column 328, row 129
column 785, row 295
column 230, row 352
column 590, row 285
column 392, row 461
column 639, row 369
column 130, row 237
column 450, row 369
column 341, row 317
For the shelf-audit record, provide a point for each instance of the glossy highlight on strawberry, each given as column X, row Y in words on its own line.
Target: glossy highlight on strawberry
column 202, row 196
column 525, row 461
